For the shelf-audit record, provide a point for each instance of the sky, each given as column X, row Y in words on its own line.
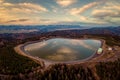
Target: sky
column 66, row 12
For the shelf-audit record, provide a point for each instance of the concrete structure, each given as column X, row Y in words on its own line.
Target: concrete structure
column 100, row 50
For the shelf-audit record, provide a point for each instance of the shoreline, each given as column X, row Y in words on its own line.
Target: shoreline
column 20, row 50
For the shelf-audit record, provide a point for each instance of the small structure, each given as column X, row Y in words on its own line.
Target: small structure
column 110, row 49
column 100, row 50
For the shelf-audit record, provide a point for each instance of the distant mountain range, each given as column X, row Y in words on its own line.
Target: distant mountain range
column 42, row 28
column 22, row 32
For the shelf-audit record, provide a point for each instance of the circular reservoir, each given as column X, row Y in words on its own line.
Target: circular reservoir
column 63, row 50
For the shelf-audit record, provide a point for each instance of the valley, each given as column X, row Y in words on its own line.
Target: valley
column 39, row 70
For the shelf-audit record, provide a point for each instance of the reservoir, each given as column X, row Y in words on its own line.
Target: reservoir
column 62, row 49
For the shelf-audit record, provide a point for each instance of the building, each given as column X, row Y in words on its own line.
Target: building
column 110, row 49
column 100, row 50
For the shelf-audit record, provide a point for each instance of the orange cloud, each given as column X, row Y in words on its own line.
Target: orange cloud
column 110, row 12
column 17, row 20
column 1, row 1
column 82, row 43
column 65, row 3
column 75, row 11
column 4, row 15
column 25, row 7
column 35, row 46
column 11, row 13
column 32, row 6
column 61, row 54
column 7, row 4
column 105, row 13
column 65, row 50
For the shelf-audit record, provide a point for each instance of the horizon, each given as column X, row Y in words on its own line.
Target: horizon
column 60, row 12
column 59, row 25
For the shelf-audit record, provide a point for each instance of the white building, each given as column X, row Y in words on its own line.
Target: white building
column 100, row 50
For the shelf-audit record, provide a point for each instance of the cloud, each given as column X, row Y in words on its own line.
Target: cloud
column 61, row 57
column 110, row 13
column 65, row 50
column 105, row 13
column 5, row 16
column 5, row 4
column 45, row 20
column 61, row 54
column 82, row 43
column 1, row 1
column 35, row 46
column 99, row 12
column 65, row 3
column 12, row 13
column 32, row 6
column 102, row 12
column 17, row 20
column 76, row 11
column 24, row 7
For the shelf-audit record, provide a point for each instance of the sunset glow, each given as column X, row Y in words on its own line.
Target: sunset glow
column 44, row 12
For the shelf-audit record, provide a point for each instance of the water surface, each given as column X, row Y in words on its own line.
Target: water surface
column 60, row 49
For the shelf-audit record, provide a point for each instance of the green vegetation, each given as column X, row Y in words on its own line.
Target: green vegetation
column 67, row 72
column 13, row 63
column 109, row 70
column 110, row 40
